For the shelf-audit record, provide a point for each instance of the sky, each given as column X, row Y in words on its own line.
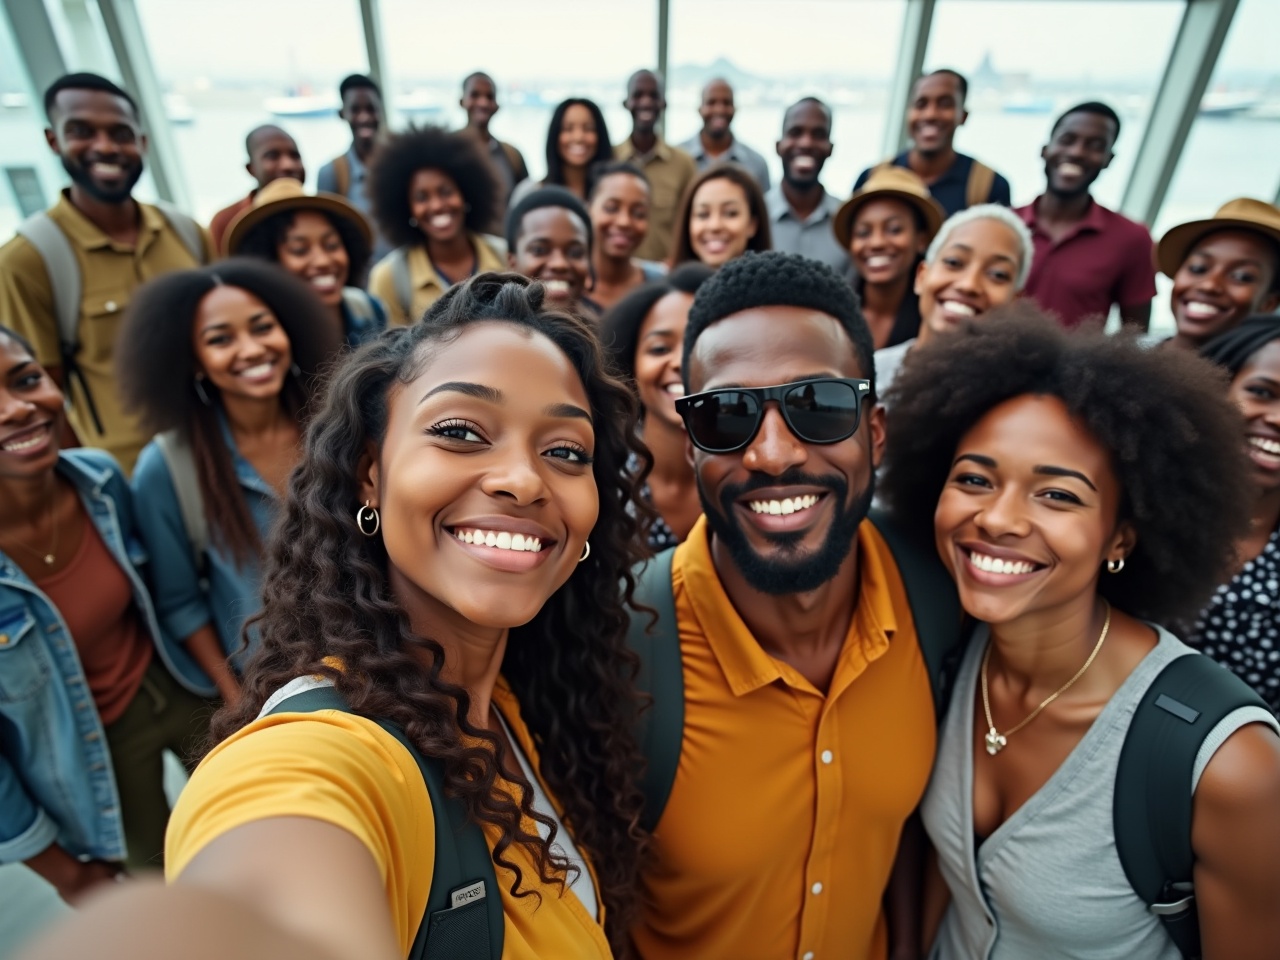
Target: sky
column 280, row 41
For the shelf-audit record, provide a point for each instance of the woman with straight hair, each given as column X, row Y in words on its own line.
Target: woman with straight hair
column 221, row 363
column 722, row 216
column 450, row 575
column 619, row 207
column 577, row 140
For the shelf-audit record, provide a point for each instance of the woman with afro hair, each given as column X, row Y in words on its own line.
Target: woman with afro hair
column 1081, row 491
column 434, row 193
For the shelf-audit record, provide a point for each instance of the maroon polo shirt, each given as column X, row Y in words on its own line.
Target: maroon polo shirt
column 1106, row 258
column 222, row 220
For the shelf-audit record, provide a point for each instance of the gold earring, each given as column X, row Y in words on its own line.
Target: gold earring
column 368, row 513
column 586, row 551
column 1115, row 566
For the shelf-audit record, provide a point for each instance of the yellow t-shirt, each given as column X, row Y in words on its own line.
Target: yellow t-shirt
column 347, row 771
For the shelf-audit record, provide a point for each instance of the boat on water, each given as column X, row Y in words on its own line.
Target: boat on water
column 177, row 110
column 301, row 105
column 1224, row 103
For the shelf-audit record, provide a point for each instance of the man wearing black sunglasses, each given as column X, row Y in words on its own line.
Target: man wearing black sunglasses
column 807, row 730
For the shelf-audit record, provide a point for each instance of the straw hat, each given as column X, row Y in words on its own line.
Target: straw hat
column 287, row 194
column 1242, row 214
column 890, row 181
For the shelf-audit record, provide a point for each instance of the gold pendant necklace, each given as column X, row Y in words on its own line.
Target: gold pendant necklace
column 997, row 741
column 51, row 557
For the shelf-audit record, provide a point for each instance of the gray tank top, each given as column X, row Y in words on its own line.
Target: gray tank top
column 1048, row 881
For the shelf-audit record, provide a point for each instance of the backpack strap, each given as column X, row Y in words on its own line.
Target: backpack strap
column 518, row 170
column 342, row 174
column 463, row 918
column 981, row 179
column 181, row 461
column 935, row 606
column 1153, row 791
column 659, row 726
column 67, row 289
column 359, row 305
column 188, row 230
column 402, row 283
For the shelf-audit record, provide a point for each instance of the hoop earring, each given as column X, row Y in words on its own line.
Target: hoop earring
column 296, row 371
column 586, row 551
column 364, row 513
column 413, row 221
column 204, row 397
column 1115, row 566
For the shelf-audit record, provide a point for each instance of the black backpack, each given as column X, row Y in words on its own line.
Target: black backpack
column 463, row 919
column 660, row 728
column 1152, row 806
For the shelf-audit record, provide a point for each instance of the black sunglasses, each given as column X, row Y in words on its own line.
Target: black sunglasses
column 825, row 410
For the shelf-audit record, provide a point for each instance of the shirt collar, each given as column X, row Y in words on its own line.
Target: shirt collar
column 780, row 209
column 87, row 235
column 1093, row 221
column 745, row 664
column 661, row 151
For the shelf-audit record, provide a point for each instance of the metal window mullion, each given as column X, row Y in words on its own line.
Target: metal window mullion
column 36, row 43
column 375, row 50
column 917, row 21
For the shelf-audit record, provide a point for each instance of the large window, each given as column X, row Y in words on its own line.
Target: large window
column 29, row 174
column 1026, row 62
column 230, row 65
column 843, row 51
column 537, row 56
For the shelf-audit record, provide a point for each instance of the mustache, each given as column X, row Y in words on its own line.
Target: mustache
column 792, row 478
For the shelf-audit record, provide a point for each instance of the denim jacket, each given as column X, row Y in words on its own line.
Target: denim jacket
column 56, row 780
column 365, row 323
column 228, row 594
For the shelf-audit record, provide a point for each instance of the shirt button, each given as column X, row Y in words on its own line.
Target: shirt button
column 4, row 639
column 110, row 306
column 816, row 888
column 827, row 756
column 808, row 956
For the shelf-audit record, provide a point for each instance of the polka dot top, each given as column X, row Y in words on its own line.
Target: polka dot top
column 1240, row 628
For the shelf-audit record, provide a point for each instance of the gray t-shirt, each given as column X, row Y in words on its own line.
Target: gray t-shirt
column 888, row 362
column 1048, row 882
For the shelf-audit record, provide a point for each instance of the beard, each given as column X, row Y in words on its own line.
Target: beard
column 81, row 177
column 794, row 571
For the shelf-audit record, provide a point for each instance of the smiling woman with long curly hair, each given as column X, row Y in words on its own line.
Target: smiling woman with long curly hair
column 447, row 571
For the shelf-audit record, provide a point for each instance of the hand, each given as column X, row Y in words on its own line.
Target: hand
column 72, row 878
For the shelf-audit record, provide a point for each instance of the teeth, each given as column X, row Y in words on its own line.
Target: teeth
column 17, row 446
column 783, row 507
column 1070, row 169
column 1199, row 311
column 804, row 163
column 996, row 565
column 108, row 169
column 324, row 282
column 500, row 540
column 879, row 261
column 442, row 219
column 957, row 309
column 676, row 389
column 556, row 286
column 1261, row 443
column 258, row 370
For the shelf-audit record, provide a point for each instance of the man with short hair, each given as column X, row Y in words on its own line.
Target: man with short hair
column 669, row 169
column 348, row 174
column 808, row 714
column 1087, row 257
column 800, row 209
column 272, row 154
column 480, row 100
column 716, row 143
column 956, row 181
column 68, row 275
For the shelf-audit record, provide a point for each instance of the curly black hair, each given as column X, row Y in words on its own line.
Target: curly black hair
column 773, row 279
column 604, row 146
column 620, row 326
column 1174, row 439
column 326, row 594
column 1233, row 349
column 737, row 174
column 264, row 240
column 546, row 197
column 156, row 370
column 459, row 155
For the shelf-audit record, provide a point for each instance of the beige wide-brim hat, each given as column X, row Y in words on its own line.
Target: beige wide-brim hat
column 288, row 194
column 898, row 183
column 1244, row 213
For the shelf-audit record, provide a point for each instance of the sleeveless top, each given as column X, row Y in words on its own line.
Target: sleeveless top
column 1048, row 881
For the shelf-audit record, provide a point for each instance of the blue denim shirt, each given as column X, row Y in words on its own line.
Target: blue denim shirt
column 229, row 594
column 56, row 780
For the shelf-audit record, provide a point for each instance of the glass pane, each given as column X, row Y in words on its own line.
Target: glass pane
column 30, row 175
column 253, row 61
column 1020, row 80
column 842, row 51
column 583, row 48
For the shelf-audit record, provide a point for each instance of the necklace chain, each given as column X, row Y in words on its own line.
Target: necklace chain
column 51, row 557
column 997, row 741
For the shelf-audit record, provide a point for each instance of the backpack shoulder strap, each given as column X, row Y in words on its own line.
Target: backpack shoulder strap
column 64, row 277
column 180, row 460
column 1153, row 790
column 358, row 304
column 342, row 174
column 659, row 725
column 518, row 170
column 463, row 918
column 402, row 283
column 188, row 230
column 935, row 606
column 981, row 179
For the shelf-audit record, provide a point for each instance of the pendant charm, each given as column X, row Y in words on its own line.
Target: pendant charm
column 50, row 559
column 995, row 742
